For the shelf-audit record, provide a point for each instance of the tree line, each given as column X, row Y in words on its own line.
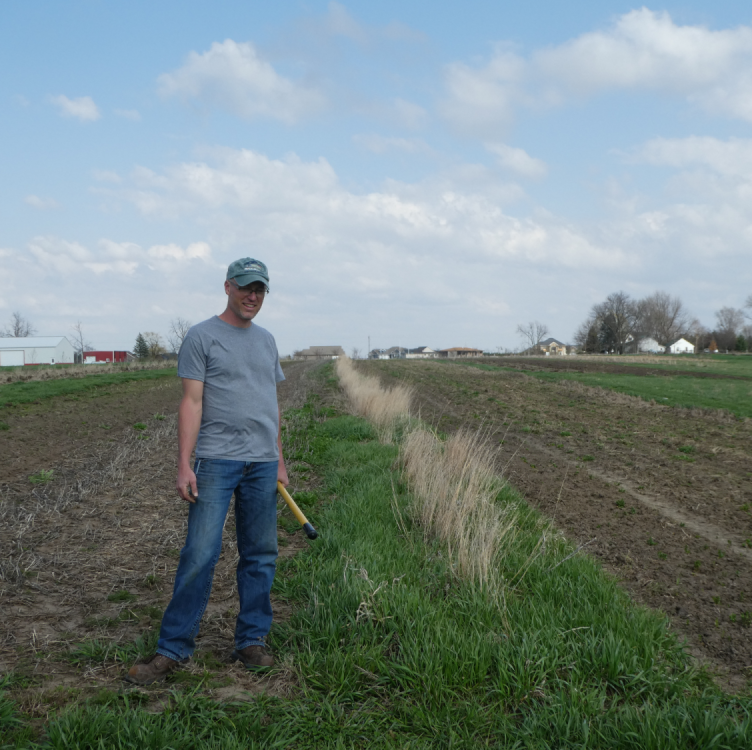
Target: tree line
column 620, row 323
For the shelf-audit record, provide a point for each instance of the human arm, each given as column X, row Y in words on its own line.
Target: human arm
column 281, row 468
column 189, row 421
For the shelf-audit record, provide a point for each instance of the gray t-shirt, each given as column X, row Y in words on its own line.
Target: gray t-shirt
column 240, row 369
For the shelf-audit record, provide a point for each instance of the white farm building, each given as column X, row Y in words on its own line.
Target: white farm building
column 35, row 350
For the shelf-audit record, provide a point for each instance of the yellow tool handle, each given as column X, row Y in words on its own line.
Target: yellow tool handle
column 297, row 512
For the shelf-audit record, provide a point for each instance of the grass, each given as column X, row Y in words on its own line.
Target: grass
column 734, row 396
column 29, row 392
column 391, row 648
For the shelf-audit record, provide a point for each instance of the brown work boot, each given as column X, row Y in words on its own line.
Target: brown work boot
column 254, row 657
column 154, row 670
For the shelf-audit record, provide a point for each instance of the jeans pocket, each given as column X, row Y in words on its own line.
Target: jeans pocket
column 197, row 466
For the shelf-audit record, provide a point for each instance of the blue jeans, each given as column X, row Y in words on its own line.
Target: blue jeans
column 255, row 488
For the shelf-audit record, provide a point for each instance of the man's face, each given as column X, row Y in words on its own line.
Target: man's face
column 245, row 301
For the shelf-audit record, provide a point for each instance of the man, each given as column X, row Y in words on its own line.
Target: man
column 230, row 369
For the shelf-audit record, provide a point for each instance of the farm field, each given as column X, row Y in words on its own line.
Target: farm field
column 90, row 532
column 661, row 496
column 91, row 528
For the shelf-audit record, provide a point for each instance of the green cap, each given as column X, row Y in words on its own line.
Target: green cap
column 247, row 270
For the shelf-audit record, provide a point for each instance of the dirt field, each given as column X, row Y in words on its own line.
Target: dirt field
column 89, row 557
column 662, row 497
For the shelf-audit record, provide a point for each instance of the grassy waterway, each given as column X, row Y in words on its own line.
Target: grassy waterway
column 389, row 649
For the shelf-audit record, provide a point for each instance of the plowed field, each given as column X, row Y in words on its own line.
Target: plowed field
column 661, row 496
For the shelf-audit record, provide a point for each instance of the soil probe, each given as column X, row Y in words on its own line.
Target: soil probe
column 311, row 533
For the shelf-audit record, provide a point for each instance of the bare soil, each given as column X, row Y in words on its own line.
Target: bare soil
column 89, row 557
column 661, row 497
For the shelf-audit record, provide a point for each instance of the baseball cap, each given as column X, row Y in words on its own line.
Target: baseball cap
column 247, row 270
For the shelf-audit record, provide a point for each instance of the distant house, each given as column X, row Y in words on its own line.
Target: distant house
column 321, row 352
column 681, row 346
column 394, row 352
column 552, row 346
column 421, row 352
column 645, row 345
column 105, row 356
column 36, row 350
column 456, row 352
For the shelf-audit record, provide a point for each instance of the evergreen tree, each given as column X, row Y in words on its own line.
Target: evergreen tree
column 141, row 350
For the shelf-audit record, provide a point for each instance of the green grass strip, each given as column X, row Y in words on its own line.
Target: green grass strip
column 734, row 396
column 391, row 650
column 38, row 390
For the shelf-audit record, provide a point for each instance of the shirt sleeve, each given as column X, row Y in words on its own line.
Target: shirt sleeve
column 192, row 358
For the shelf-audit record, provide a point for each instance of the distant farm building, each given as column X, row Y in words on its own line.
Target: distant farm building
column 552, row 346
column 321, row 352
column 91, row 358
column 36, row 350
column 681, row 346
column 421, row 352
column 460, row 352
column 643, row 345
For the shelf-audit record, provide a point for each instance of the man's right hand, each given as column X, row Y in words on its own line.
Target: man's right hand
column 186, row 485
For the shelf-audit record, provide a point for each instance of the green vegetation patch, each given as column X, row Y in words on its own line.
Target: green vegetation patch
column 734, row 396
column 37, row 390
column 388, row 648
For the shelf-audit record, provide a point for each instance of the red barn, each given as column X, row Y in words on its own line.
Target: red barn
column 91, row 358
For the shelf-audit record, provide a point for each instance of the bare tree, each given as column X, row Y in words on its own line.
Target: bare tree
column 661, row 317
column 19, row 327
column 355, row 353
column 748, row 304
column 155, row 343
column 729, row 319
column 615, row 318
column 80, row 344
column 178, row 329
column 532, row 334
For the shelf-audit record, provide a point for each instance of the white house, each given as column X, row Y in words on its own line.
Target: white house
column 35, row 350
column 682, row 346
column 421, row 352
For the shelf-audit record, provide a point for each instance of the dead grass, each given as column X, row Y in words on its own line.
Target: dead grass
column 81, row 480
column 385, row 408
column 454, row 483
column 455, row 489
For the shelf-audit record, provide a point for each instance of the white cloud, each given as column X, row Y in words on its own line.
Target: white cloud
column 483, row 100
column 233, row 76
column 730, row 157
column 83, row 108
column 296, row 204
column 642, row 51
column 518, row 160
column 55, row 257
column 380, row 144
column 43, row 204
column 129, row 114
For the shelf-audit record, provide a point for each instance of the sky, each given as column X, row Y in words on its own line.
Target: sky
column 412, row 173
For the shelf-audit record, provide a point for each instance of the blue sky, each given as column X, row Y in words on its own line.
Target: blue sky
column 423, row 174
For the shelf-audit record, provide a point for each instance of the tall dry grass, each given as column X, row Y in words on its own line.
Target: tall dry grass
column 385, row 408
column 455, row 487
column 453, row 482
